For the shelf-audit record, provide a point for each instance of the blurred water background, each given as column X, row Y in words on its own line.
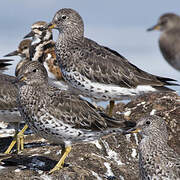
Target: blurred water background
column 120, row 25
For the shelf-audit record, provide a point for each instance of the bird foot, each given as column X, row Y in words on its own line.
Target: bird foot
column 60, row 164
column 56, row 168
column 19, row 138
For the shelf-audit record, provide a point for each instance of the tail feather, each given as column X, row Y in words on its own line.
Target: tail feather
column 5, row 62
column 165, row 81
column 163, row 89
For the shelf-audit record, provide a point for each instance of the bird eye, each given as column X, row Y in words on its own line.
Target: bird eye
column 148, row 122
column 41, row 28
column 34, row 70
column 164, row 21
column 63, row 17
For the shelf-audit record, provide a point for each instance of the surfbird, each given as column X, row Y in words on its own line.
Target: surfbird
column 9, row 112
column 156, row 159
column 169, row 41
column 97, row 71
column 58, row 115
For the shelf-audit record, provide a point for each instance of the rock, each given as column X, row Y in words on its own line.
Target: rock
column 113, row 157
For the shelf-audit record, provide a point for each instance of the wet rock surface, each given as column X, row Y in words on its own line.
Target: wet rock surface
column 112, row 157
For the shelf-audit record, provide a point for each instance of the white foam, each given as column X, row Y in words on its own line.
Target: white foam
column 3, row 125
column 17, row 170
column 109, row 171
column 127, row 113
column 121, row 177
column 134, row 153
column 96, row 175
column 112, row 154
column 6, row 132
column 96, row 143
column 40, row 172
column 2, row 167
column 153, row 112
column 47, row 152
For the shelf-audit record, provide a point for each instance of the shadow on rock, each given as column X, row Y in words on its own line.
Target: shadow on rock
column 32, row 162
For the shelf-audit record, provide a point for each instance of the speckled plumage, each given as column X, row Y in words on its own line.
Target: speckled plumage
column 97, row 71
column 169, row 41
column 57, row 115
column 156, row 159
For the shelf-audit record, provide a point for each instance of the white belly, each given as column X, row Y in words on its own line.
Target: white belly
column 101, row 91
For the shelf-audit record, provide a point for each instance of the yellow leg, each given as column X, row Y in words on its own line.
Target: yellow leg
column 19, row 139
column 22, row 141
column 111, row 106
column 60, row 164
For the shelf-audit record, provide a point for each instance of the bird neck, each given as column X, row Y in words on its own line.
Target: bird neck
column 32, row 88
column 28, row 96
column 25, row 54
column 69, row 36
column 149, row 144
column 20, row 64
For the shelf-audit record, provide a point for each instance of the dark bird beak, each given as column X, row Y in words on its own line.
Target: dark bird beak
column 155, row 27
column 31, row 34
column 14, row 53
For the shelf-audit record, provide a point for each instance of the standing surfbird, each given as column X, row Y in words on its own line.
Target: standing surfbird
column 97, row 71
column 58, row 115
column 9, row 112
column 156, row 159
column 169, row 41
